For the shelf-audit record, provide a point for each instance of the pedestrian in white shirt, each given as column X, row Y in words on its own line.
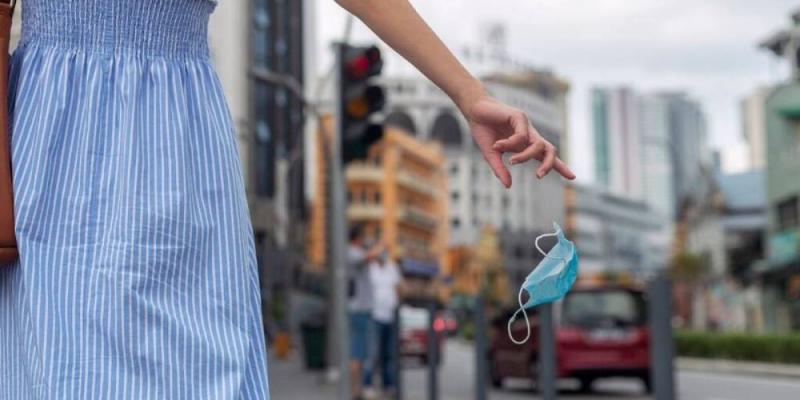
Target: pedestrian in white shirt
column 386, row 280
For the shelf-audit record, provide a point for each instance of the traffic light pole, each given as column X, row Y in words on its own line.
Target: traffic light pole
column 338, row 242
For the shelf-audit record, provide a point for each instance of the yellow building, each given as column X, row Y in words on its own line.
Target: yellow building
column 399, row 193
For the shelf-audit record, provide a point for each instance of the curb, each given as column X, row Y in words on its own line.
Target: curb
column 739, row 367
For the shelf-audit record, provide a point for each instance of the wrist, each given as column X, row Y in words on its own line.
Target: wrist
column 469, row 94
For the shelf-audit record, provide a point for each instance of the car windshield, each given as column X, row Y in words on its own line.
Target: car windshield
column 604, row 308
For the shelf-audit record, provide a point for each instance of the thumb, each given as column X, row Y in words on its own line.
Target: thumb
column 495, row 160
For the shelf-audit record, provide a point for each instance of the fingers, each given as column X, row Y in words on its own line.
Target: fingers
column 547, row 162
column 545, row 152
column 495, row 161
column 563, row 169
column 530, row 152
column 517, row 142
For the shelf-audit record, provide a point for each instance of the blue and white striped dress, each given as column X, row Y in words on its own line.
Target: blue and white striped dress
column 137, row 276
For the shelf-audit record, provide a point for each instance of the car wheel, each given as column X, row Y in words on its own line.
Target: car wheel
column 648, row 384
column 585, row 384
column 495, row 379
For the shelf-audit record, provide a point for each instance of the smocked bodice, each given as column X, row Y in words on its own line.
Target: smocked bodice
column 148, row 27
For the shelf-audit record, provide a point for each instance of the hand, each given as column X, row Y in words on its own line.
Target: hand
column 498, row 128
column 375, row 251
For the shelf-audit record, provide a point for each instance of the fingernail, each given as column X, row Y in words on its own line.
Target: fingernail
column 512, row 161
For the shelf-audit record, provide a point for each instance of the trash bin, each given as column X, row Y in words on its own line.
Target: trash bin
column 315, row 336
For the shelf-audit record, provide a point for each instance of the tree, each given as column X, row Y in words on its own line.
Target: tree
column 688, row 267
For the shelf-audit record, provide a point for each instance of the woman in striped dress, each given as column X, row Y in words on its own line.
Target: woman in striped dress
column 137, row 275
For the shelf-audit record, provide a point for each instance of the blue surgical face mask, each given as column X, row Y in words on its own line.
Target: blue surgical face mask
column 550, row 280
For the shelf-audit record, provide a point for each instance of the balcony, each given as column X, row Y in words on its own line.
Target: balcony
column 362, row 172
column 365, row 211
column 417, row 183
column 419, row 217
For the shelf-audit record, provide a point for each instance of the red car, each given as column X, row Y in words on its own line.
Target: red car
column 600, row 331
column 414, row 333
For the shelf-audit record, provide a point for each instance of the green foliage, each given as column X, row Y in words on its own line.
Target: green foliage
column 739, row 346
column 688, row 267
column 468, row 330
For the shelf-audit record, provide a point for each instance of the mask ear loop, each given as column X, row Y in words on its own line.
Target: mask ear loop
column 540, row 237
column 514, row 318
column 519, row 296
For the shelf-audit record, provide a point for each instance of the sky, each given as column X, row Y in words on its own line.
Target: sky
column 708, row 49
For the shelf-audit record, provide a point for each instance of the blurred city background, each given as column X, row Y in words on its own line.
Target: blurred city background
column 682, row 121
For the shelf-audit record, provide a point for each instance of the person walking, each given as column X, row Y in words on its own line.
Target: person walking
column 137, row 274
column 386, row 284
column 360, row 299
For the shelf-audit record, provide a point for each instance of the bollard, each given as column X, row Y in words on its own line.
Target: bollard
column 481, row 367
column 433, row 354
column 547, row 353
column 662, row 350
column 398, row 356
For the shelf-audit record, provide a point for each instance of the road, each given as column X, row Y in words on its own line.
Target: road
column 457, row 383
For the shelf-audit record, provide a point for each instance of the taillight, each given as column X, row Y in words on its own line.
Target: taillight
column 438, row 325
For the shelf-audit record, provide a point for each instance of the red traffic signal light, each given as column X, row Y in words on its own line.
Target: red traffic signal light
column 360, row 99
column 363, row 63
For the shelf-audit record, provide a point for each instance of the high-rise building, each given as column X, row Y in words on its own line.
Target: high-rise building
column 754, row 126
column 617, row 144
column 689, row 148
column 674, row 149
column 656, row 163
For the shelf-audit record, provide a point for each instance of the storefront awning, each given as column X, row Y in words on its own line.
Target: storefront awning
column 422, row 268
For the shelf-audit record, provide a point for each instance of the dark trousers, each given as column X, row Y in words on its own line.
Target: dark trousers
column 384, row 356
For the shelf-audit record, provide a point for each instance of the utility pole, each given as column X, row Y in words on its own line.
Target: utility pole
column 338, row 244
column 547, row 353
column 662, row 348
column 357, row 101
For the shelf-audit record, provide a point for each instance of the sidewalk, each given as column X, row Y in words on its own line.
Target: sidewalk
column 289, row 380
column 739, row 367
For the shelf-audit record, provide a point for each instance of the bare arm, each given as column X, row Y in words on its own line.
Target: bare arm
column 496, row 127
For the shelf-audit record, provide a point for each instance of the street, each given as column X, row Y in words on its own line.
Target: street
column 456, row 380
column 289, row 381
column 457, row 383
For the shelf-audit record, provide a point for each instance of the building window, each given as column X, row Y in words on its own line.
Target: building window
column 377, row 197
column 788, row 214
column 454, row 170
column 455, row 196
column 455, row 223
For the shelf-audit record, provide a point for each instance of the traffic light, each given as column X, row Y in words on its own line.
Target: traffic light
column 359, row 100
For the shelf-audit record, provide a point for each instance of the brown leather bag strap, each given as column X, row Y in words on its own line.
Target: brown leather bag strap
column 11, row 4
